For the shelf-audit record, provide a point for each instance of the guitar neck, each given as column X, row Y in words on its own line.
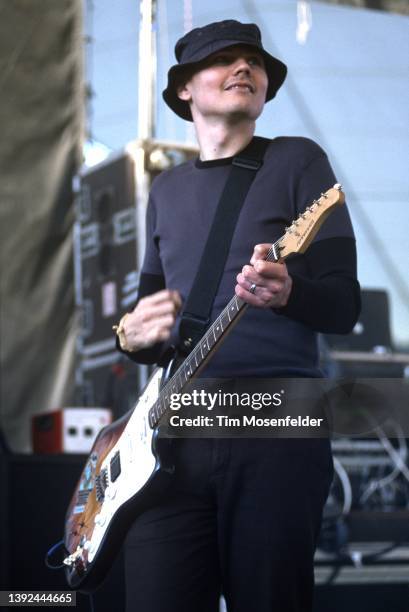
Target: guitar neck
column 204, row 349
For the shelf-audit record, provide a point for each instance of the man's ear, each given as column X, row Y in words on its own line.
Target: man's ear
column 183, row 92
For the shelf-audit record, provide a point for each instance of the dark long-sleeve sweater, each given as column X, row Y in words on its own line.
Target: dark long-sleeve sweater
column 325, row 295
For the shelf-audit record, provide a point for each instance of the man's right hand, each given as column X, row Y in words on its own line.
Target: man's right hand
column 152, row 320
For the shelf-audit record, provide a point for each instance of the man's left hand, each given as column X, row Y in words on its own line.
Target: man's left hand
column 263, row 283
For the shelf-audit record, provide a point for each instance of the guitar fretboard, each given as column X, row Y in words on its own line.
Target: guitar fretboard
column 207, row 344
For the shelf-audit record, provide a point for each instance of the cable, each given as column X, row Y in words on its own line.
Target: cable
column 52, row 551
column 346, row 485
column 398, row 460
column 358, row 559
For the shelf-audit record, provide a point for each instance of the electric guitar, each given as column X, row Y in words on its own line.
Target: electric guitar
column 129, row 465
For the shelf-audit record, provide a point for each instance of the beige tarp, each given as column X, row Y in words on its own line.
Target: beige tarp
column 41, row 120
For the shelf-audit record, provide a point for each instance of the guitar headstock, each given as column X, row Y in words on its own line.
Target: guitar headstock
column 302, row 231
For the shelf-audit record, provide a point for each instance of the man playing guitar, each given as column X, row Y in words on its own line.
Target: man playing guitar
column 243, row 515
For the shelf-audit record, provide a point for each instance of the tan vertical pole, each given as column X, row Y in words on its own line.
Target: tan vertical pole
column 147, row 70
column 146, row 114
column 146, row 126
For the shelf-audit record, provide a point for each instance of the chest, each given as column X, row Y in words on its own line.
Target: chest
column 184, row 222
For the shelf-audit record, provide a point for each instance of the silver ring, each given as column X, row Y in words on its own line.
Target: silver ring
column 253, row 288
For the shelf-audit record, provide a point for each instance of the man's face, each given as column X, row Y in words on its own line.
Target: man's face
column 230, row 83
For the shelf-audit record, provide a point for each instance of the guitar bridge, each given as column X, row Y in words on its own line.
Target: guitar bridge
column 75, row 557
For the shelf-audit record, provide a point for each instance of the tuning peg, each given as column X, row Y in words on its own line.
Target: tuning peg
column 338, row 186
column 324, row 195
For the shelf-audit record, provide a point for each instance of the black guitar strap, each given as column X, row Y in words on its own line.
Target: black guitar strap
column 196, row 316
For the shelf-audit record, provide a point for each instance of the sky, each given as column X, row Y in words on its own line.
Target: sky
column 347, row 89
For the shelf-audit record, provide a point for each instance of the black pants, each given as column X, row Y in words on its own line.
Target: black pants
column 242, row 518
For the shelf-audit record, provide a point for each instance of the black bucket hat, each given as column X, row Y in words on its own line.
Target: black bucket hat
column 199, row 43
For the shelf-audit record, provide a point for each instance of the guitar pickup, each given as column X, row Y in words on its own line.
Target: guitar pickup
column 101, row 483
column 115, row 465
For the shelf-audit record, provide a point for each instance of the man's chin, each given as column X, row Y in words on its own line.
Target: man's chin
column 242, row 113
column 233, row 113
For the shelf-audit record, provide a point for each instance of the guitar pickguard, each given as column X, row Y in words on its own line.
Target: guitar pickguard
column 120, row 465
